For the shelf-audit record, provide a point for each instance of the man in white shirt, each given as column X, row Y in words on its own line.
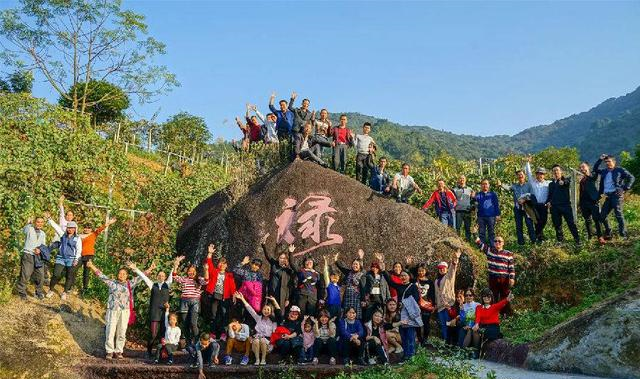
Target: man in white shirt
column 539, row 189
column 403, row 185
column 362, row 143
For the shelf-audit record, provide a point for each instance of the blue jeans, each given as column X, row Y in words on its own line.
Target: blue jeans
column 306, row 355
column 486, row 229
column 614, row 202
column 448, row 218
column 521, row 215
column 443, row 317
column 408, row 336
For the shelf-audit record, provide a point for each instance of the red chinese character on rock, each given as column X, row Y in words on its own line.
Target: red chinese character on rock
column 311, row 222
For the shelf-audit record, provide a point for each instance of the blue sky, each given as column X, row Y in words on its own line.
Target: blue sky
column 479, row 68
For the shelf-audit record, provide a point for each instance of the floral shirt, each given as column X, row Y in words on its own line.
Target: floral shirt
column 119, row 291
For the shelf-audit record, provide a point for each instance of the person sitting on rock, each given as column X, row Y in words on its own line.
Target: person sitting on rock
column 238, row 339
column 380, row 180
column 325, row 332
column 376, row 340
column 305, row 149
column 487, row 324
column 308, row 341
column 265, row 326
column 119, row 307
column 444, row 202
column 280, row 276
column 445, row 284
column 352, row 335
column 310, row 290
column 251, row 278
column 206, row 353
column 287, row 337
column 403, row 185
column 218, row 293
column 353, row 283
column 169, row 343
column 392, row 327
column 191, row 291
column 469, row 308
column 501, row 267
column 333, row 301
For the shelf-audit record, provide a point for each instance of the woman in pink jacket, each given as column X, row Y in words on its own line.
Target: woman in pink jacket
column 252, row 281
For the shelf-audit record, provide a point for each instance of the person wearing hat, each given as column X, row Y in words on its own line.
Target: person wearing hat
column 69, row 253
column 445, row 284
column 290, row 342
column 540, row 192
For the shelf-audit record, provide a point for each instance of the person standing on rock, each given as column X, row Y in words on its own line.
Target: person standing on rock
column 251, row 279
column 614, row 182
column 191, row 291
column 88, row 237
column 444, row 202
column 280, row 277
column 285, row 119
column 160, row 295
column 521, row 190
column 380, row 180
column 540, row 190
column 218, row 293
column 302, row 115
column 362, row 143
column 310, row 292
column 119, row 306
column 34, row 238
column 321, row 129
column 589, row 203
column 501, row 267
column 559, row 201
column 341, row 142
column 354, row 279
column 463, row 207
column 403, row 185
column 69, row 253
column 445, row 284
column 488, row 212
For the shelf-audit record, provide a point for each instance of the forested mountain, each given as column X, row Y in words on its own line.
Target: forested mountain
column 611, row 127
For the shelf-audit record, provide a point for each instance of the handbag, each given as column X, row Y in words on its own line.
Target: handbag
column 132, row 311
column 426, row 305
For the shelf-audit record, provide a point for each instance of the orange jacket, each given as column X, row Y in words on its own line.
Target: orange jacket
column 89, row 242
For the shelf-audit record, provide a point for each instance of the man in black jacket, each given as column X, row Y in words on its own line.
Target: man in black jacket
column 560, row 202
column 614, row 182
column 588, row 202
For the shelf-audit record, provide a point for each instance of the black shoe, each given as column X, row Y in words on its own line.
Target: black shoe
column 23, row 297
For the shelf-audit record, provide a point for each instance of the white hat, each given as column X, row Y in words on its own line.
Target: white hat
column 295, row 308
column 72, row 224
column 443, row 264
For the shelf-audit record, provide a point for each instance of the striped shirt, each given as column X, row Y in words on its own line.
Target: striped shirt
column 191, row 288
column 499, row 262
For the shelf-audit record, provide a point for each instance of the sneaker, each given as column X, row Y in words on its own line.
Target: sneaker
column 257, row 362
column 223, row 336
column 244, row 361
column 332, row 361
column 315, row 361
column 170, row 362
column 49, row 295
column 347, row 362
column 63, row 297
column 109, row 356
column 263, row 363
column 155, row 361
column 228, row 360
column 399, row 350
column 372, row 361
column 118, row 356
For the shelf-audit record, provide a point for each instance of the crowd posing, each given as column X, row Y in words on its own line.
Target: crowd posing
column 308, row 310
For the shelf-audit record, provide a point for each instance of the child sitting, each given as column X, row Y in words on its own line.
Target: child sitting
column 206, row 352
column 325, row 332
column 237, row 339
column 171, row 336
column 376, row 339
column 333, row 302
column 308, row 339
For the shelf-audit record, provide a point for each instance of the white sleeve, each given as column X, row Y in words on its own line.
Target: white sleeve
column 57, row 228
column 527, row 169
column 78, row 248
column 142, row 276
column 170, row 278
column 62, row 220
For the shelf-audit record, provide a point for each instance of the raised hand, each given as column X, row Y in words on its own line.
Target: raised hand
column 335, row 257
column 152, row 267
column 264, row 238
column 409, row 259
column 529, row 158
column 603, row 156
column 166, row 306
column 132, row 265
column 458, row 254
column 510, row 296
column 379, row 257
column 61, row 200
column 211, row 249
column 47, row 215
column 246, row 260
column 294, row 95
column 361, row 254
column 292, row 248
column 273, row 94
column 111, row 221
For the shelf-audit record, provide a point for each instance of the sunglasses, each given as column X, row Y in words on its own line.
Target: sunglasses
column 496, row 241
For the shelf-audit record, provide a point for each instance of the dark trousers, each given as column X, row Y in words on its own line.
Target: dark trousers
column 307, row 304
column 521, row 220
column 335, row 310
column 500, row 288
column 558, row 212
column 362, row 171
column 312, row 154
column 329, row 345
column 590, row 210
column 86, row 272
column 487, row 229
column 189, row 311
column 157, row 332
column 463, row 219
column 543, row 212
column 215, row 313
column 69, row 273
column 340, row 157
column 350, row 349
column 376, row 350
column 290, row 347
column 614, row 202
column 423, row 333
column 29, row 271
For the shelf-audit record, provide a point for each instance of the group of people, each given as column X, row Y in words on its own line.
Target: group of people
column 534, row 198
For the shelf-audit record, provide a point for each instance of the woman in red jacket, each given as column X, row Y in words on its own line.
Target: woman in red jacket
column 487, row 323
column 219, row 293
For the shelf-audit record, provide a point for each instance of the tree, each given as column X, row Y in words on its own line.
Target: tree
column 20, row 81
column 184, row 132
column 102, row 111
column 75, row 42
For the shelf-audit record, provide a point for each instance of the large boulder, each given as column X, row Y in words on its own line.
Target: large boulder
column 603, row 341
column 322, row 212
